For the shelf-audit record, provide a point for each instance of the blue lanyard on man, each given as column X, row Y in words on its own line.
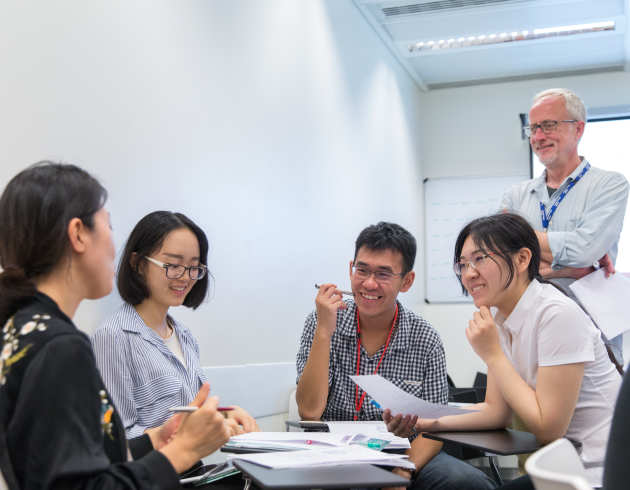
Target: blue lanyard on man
column 546, row 218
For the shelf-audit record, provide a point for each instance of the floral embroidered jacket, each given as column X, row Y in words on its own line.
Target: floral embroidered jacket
column 58, row 427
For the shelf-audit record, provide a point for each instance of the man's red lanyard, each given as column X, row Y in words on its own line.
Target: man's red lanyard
column 358, row 403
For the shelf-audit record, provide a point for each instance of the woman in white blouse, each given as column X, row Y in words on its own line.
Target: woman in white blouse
column 546, row 360
column 148, row 360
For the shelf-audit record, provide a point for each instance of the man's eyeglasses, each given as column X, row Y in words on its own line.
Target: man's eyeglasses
column 475, row 263
column 548, row 126
column 175, row 271
column 363, row 273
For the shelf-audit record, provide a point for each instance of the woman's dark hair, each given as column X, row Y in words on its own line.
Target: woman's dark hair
column 388, row 236
column 146, row 238
column 502, row 234
column 35, row 209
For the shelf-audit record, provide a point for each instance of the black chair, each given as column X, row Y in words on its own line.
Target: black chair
column 475, row 394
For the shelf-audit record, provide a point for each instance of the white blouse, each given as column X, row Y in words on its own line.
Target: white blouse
column 546, row 328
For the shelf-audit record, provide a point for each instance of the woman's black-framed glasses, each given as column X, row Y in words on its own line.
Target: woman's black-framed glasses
column 175, row 271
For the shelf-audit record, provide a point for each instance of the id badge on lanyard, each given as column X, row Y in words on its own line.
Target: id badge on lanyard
column 546, row 218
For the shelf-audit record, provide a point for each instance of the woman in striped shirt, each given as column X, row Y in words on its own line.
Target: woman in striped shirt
column 148, row 360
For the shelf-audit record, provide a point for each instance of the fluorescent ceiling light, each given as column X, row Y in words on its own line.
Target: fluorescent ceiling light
column 514, row 36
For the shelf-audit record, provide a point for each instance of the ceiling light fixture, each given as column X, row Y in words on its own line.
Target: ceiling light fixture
column 514, row 36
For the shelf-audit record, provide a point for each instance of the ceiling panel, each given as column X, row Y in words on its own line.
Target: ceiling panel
column 476, row 64
column 528, row 15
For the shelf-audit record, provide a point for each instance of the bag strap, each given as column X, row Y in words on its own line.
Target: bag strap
column 570, row 295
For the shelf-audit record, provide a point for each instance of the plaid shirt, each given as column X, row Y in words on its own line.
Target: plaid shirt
column 414, row 361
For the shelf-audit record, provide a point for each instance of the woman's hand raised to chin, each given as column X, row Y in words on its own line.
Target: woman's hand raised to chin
column 483, row 336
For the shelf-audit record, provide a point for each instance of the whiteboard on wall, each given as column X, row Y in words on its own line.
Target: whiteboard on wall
column 449, row 204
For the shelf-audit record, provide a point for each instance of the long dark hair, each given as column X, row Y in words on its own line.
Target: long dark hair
column 145, row 239
column 502, row 234
column 35, row 209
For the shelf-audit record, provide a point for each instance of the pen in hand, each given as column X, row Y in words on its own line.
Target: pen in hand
column 347, row 293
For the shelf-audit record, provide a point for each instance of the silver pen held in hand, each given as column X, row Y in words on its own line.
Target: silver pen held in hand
column 347, row 293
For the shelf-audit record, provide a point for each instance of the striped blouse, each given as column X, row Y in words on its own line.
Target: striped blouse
column 141, row 373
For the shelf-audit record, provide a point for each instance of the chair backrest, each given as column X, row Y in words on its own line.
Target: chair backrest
column 557, row 466
column 261, row 389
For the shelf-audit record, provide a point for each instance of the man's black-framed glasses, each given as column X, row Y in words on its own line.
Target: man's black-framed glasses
column 363, row 273
column 548, row 126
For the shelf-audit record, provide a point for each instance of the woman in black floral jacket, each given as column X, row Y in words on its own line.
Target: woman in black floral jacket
column 58, row 427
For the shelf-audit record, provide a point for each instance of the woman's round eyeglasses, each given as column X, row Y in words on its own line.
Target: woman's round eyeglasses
column 175, row 271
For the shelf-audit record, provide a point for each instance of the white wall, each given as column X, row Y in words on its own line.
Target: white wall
column 281, row 127
column 476, row 131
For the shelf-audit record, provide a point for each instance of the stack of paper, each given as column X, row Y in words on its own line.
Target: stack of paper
column 287, row 441
column 342, row 434
column 334, row 456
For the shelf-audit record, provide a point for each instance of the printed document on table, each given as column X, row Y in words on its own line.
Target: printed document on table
column 374, row 428
column 326, row 457
column 605, row 300
column 388, row 395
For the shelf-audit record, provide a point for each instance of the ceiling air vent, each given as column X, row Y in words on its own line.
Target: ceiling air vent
column 439, row 5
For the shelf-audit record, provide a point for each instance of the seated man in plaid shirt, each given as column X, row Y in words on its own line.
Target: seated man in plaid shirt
column 377, row 334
